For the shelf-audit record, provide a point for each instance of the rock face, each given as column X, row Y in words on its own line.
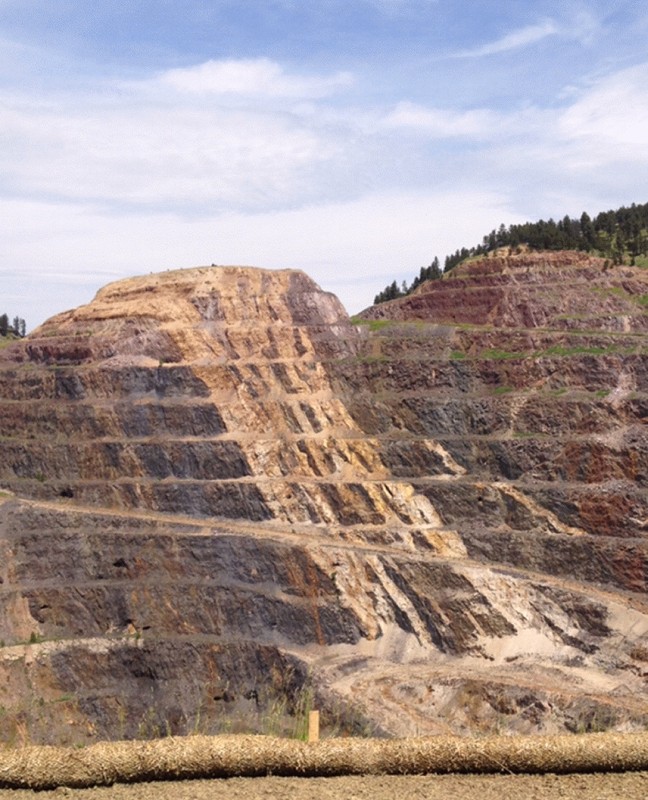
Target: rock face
column 222, row 495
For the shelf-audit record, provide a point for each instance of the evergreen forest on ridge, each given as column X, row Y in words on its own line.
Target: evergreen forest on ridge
column 620, row 236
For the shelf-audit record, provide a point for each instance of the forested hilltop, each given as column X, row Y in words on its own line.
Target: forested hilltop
column 621, row 236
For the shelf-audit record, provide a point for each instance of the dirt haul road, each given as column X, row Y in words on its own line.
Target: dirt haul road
column 598, row 786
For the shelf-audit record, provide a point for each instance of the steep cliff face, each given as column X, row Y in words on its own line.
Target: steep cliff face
column 224, row 489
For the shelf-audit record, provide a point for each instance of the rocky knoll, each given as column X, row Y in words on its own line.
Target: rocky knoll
column 222, row 495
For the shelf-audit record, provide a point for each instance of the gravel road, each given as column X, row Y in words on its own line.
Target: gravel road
column 608, row 786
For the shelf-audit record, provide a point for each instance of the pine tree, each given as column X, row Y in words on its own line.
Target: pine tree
column 587, row 232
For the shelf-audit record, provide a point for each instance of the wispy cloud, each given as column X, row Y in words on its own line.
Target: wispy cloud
column 608, row 122
column 522, row 37
column 575, row 22
column 396, row 6
column 444, row 123
column 582, row 26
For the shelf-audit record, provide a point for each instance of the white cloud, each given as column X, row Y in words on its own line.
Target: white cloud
column 145, row 145
column 259, row 76
column 135, row 144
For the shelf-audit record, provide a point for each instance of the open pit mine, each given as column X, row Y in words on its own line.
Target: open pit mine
column 221, row 495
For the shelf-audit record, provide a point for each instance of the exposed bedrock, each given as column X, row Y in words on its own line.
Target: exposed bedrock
column 227, row 494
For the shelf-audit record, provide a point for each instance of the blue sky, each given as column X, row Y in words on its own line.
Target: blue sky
column 354, row 140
